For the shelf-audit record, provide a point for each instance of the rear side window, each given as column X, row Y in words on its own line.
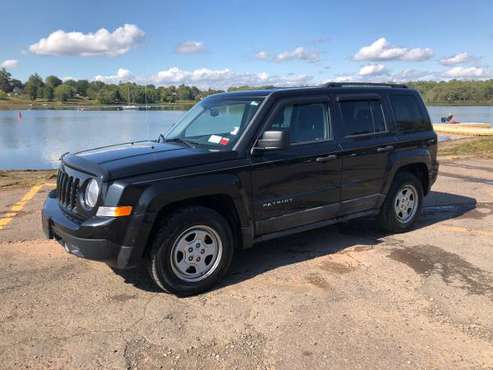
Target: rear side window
column 363, row 117
column 408, row 113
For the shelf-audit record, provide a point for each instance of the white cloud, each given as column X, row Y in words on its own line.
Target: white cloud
column 224, row 78
column 190, row 47
column 122, row 75
column 102, row 42
column 262, row 55
column 9, row 64
column 298, row 53
column 372, row 70
column 384, row 75
column 382, row 50
column 346, row 78
column 468, row 72
column 414, row 75
column 456, row 59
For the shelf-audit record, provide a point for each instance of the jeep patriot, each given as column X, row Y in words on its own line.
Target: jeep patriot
column 244, row 167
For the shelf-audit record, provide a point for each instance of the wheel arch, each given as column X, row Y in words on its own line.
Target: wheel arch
column 418, row 162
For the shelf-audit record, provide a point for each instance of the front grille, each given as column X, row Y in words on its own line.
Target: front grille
column 67, row 190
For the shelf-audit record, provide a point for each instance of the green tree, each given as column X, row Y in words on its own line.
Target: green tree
column 81, row 86
column 109, row 94
column 184, row 93
column 16, row 84
column 94, row 88
column 71, row 83
column 34, row 87
column 64, row 92
column 5, row 81
column 48, row 92
column 53, row 81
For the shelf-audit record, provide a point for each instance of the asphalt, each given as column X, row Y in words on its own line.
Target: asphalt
column 344, row 296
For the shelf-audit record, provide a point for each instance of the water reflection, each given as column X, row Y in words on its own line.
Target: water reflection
column 38, row 140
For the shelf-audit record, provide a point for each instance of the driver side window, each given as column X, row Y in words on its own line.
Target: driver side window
column 305, row 123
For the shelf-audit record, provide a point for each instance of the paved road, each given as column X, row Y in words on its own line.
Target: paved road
column 340, row 297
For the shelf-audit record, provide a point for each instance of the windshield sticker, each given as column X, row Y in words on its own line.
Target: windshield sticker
column 254, row 103
column 235, row 131
column 224, row 141
column 215, row 139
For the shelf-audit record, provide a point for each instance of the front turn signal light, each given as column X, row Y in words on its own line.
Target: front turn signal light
column 119, row 211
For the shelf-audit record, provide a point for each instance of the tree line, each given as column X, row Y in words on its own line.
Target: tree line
column 454, row 92
column 53, row 88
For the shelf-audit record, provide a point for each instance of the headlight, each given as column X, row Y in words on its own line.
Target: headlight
column 91, row 194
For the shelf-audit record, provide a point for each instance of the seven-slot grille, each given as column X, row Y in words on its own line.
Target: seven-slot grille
column 67, row 190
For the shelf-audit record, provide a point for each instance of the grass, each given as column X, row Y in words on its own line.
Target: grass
column 481, row 147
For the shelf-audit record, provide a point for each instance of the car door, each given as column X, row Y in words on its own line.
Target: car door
column 298, row 185
column 367, row 144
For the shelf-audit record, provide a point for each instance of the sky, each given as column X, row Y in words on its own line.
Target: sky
column 223, row 43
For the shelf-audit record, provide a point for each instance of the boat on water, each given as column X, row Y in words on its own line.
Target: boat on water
column 130, row 107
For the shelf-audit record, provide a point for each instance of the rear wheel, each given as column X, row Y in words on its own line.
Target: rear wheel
column 192, row 250
column 403, row 203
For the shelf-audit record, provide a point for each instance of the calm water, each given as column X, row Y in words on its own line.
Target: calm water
column 41, row 136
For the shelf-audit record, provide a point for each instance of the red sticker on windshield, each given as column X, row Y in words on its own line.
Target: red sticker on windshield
column 224, row 141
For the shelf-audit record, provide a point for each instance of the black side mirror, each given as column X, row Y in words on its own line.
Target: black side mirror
column 272, row 140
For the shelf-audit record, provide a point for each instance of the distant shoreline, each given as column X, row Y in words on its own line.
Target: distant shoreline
column 95, row 107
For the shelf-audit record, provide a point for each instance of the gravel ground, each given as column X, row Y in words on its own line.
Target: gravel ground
column 344, row 296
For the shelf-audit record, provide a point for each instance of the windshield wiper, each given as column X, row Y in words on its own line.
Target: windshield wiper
column 180, row 140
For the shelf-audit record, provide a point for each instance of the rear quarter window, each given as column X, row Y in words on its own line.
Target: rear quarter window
column 408, row 113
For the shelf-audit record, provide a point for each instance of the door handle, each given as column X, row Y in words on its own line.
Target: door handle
column 384, row 149
column 326, row 158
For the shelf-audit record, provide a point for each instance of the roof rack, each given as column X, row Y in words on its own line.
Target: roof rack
column 363, row 84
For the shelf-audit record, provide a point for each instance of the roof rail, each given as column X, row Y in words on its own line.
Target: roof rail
column 363, row 84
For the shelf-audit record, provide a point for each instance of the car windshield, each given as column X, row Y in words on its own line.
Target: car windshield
column 214, row 123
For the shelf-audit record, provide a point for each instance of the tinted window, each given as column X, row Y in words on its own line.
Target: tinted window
column 363, row 117
column 378, row 117
column 304, row 122
column 408, row 114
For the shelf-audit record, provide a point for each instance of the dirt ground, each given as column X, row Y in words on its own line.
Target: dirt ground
column 344, row 296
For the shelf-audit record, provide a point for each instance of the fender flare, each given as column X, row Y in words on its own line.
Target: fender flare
column 163, row 193
column 400, row 159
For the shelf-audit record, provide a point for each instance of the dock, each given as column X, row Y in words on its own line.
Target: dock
column 464, row 129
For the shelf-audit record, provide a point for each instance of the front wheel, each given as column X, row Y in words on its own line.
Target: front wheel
column 403, row 204
column 192, row 250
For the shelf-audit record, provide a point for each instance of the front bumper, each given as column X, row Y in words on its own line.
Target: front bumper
column 89, row 239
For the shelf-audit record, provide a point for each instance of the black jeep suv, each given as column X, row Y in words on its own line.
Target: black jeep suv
column 244, row 167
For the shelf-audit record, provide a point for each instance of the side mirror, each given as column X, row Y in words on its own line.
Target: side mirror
column 272, row 140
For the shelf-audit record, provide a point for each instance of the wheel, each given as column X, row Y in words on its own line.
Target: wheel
column 192, row 250
column 403, row 203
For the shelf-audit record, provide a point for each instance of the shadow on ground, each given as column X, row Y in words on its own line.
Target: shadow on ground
column 304, row 246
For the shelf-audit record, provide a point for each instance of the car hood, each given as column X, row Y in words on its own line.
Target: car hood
column 139, row 158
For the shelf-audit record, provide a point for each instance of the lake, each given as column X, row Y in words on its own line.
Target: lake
column 38, row 139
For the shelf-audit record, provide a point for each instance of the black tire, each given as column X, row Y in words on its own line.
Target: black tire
column 388, row 219
column 163, row 269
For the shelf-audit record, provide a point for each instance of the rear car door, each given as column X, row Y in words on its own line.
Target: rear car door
column 367, row 144
column 298, row 185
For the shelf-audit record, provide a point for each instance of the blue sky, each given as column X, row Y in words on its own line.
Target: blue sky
column 223, row 43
